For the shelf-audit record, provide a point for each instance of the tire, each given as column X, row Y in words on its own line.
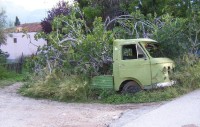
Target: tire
column 131, row 87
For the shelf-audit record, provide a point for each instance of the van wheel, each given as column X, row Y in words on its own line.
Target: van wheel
column 131, row 87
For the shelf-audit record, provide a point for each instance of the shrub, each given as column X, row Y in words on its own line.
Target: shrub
column 188, row 74
column 172, row 36
column 4, row 73
column 60, row 88
column 10, row 77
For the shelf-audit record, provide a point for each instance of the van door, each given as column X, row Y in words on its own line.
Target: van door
column 134, row 64
column 160, row 66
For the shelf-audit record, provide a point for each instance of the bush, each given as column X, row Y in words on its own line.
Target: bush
column 10, row 77
column 188, row 75
column 3, row 56
column 141, row 97
column 172, row 36
column 4, row 73
column 67, row 88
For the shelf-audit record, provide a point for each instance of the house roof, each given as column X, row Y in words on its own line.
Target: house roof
column 31, row 27
column 27, row 27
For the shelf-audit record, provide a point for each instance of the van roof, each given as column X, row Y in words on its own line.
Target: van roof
column 135, row 40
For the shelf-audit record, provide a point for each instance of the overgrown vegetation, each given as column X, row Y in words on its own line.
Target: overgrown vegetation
column 2, row 26
column 62, row 8
column 80, row 47
column 6, row 77
column 75, row 88
column 9, row 77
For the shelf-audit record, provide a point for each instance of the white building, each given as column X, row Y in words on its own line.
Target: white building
column 18, row 43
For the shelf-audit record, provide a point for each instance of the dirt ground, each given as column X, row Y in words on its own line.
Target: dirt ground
column 19, row 111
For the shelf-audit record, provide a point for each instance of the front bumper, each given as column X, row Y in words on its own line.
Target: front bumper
column 164, row 84
column 160, row 85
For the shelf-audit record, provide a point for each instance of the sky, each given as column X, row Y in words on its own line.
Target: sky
column 27, row 10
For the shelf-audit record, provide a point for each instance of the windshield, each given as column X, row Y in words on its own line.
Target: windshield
column 154, row 50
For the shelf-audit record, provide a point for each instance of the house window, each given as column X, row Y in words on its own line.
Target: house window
column 15, row 40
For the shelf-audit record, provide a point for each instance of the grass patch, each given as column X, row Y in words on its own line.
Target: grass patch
column 155, row 95
column 71, row 88
column 10, row 77
column 4, row 83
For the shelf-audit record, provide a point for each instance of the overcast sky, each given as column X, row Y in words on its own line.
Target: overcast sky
column 27, row 10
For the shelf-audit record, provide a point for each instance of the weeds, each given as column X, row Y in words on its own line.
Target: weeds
column 10, row 77
column 143, row 96
column 70, row 88
column 73, row 90
column 76, row 88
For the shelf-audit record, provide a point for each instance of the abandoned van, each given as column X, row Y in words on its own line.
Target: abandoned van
column 137, row 64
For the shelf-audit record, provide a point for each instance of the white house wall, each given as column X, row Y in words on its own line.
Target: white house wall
column 22, row 45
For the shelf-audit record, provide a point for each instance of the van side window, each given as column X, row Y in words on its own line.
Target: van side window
column 129, row 52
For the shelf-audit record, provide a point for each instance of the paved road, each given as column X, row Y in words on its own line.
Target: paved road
column 181, row 112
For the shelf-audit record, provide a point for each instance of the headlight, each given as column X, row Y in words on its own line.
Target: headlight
column 164, row 70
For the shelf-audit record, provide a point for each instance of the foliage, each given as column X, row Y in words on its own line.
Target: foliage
column 178, row 8
column 17, row 22
column 143, row 96
column 178, row 36
column 75, row 88
column 74, row 47
column 10, row 77
column 59, row 88
column 78, row 49
column 188, row 74
column 2, row 26
column 28, row 63
column 113, row 8
column 193, row 34
column 62, row 8
column 130, row 26
column 172, row 32
column 4, row 74
column 107, row 8
column 3, row 56
column 90, row 13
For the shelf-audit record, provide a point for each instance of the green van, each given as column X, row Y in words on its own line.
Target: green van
column 137, row 64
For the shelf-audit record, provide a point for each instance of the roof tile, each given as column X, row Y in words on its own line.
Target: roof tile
column 30, row 27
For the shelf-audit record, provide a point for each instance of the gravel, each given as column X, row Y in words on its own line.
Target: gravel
column 19, row 111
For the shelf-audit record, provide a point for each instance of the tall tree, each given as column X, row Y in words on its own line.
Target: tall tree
column 2, row 26
column 62, row 8
column 112, row 8
column 103, row 8
column 17, row 22
column 2, row 34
